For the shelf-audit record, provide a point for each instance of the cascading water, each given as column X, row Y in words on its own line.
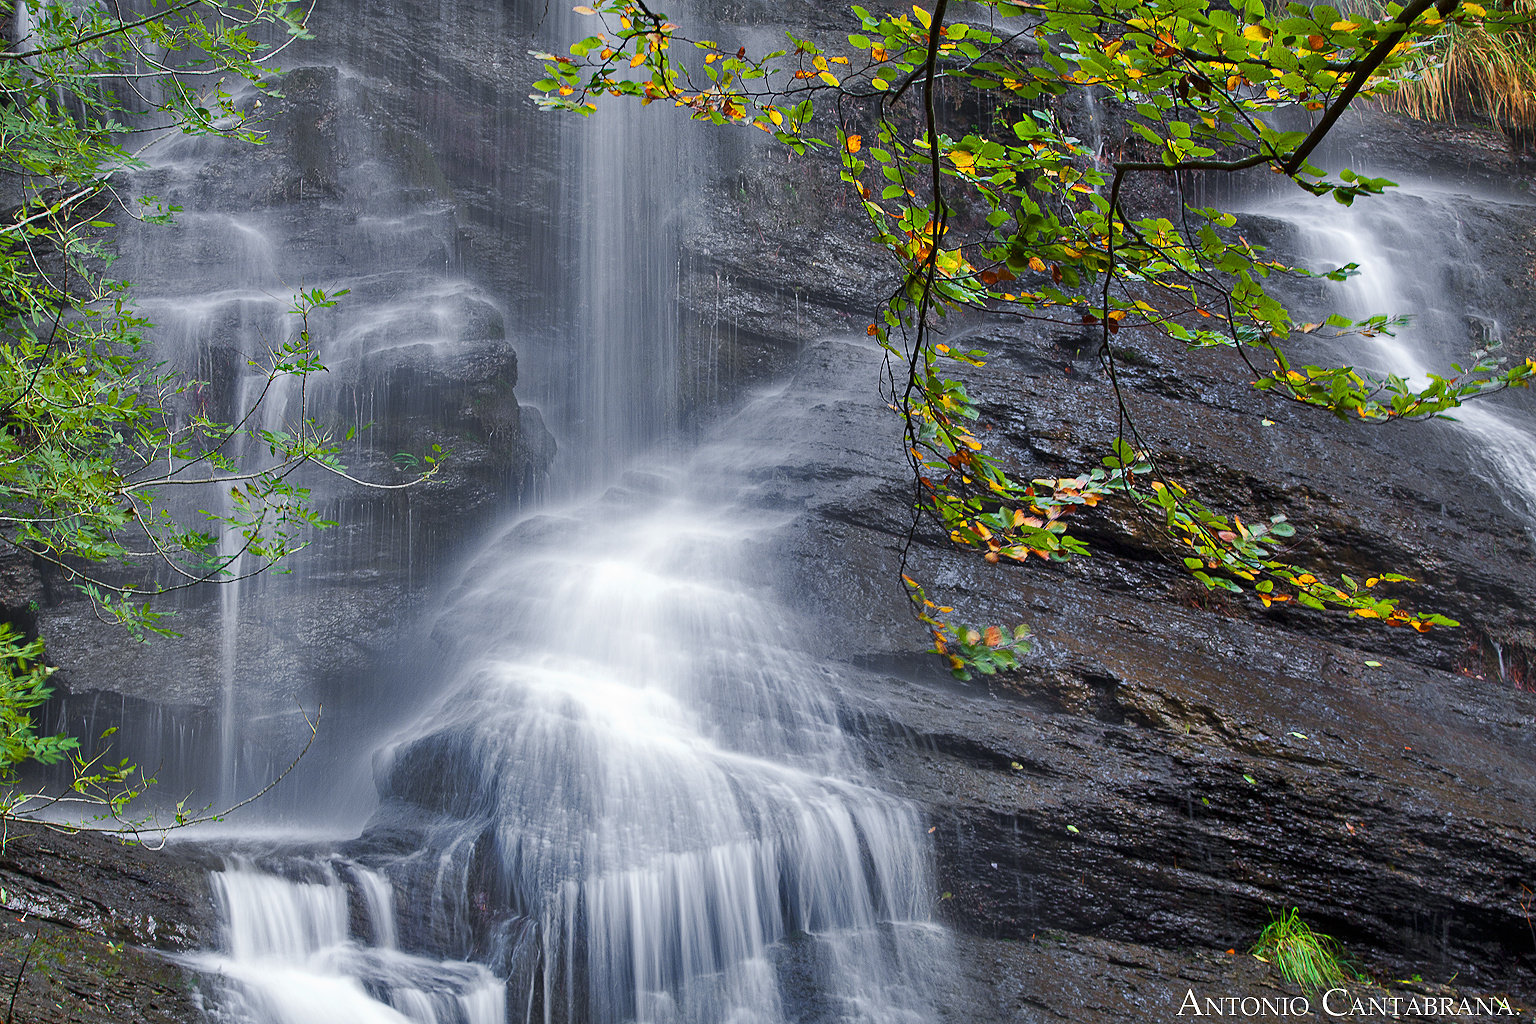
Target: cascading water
column 631, row 799
column 1443, row 294
column 634, row 800
column 292, row 957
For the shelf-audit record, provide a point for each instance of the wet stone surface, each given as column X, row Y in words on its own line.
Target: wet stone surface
column 86, row 924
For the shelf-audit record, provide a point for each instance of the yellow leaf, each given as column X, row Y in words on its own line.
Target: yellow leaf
column 881, row 84
column 1344, row 26
column 1476, row 10
column 775, row 116
column 963, row 160
column 1036, row 263
column 922, row 16
column 637, row 59
column 829, row 78
column 583, row 10
column 819, row 62
column 1257, row 33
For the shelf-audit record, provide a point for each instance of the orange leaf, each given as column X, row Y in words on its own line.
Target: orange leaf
column 855, row 143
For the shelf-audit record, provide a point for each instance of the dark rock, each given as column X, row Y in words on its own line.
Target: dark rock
column 1391, row 804
column 87, row 925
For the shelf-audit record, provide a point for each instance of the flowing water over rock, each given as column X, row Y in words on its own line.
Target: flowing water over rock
column 629, row 796
column 291, row 957
column 1416, row 250
column 633, row 800
column 616, row 786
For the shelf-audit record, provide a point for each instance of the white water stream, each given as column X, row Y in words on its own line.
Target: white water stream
column 291, row 958
column 635, row 802
column 631, row 799
column 1413, row 248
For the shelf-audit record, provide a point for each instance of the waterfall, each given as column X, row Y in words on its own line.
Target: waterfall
column 630, row 798
column 1440, row 294
column 633, row 798
column 1095, row 127
column 290, row 958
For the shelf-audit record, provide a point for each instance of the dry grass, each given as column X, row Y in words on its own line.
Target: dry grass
column 1473, row 72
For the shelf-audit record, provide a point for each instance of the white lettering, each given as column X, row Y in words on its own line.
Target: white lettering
column 1190, row 1003
column 1328, row 1007
column 1306, row 1006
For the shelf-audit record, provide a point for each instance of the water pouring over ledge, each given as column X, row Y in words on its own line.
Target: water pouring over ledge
column 635, row 801
column 1416, row 254
column 631, row 798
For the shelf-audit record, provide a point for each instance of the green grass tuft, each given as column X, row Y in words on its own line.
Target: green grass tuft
column 1305, row 957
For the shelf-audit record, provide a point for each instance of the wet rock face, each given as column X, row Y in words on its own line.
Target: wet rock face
column 86, row 925
column 1166, row 769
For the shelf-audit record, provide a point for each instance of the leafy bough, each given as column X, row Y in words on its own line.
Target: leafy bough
column 1023, row 221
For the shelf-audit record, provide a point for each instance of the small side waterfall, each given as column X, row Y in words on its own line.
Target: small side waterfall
column 291, row 958
column 1431, row 273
